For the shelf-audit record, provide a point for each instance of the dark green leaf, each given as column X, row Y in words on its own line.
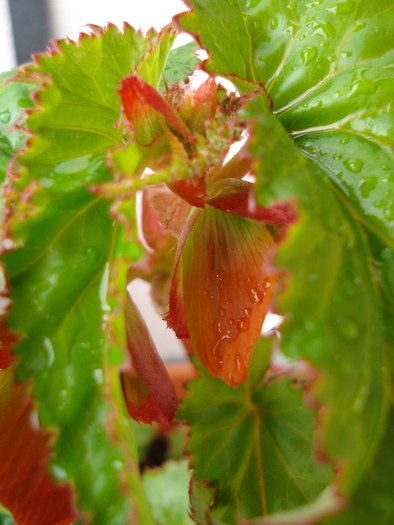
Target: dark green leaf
column 253, row 443
column 373, row 501
column 332, row 301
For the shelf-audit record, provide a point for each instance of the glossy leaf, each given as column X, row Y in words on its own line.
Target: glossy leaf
column 327, row 67
column 180, row 64
column 59, row 277
column 166, row 490
column 253, row 443
column 332, row 302
column 373, row 500
column 14, row 99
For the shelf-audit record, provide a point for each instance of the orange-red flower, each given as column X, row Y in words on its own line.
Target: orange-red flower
column 221, row 287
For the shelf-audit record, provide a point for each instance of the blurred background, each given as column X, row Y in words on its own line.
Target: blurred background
column 27, row 26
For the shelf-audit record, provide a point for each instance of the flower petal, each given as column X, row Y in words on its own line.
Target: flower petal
column 237, row 197
column 176, row 317
column 171, row 209
column 227, row 290
column 148, row 390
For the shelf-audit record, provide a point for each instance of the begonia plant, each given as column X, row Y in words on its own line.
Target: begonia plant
column 259, row 179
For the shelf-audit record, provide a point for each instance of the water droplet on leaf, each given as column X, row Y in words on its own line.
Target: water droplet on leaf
column 308, row 54
column 354, row 165
column 5, row 116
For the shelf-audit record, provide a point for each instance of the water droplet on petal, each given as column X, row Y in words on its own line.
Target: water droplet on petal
column 243, row 324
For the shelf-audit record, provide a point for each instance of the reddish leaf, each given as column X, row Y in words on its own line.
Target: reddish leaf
column 205, row 102
column 144, row 107
column 226, row 290
column 237, row 196
column 149, row 392
column 26, row 488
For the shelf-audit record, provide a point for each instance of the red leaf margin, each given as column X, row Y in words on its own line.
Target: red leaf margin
column 27, row 489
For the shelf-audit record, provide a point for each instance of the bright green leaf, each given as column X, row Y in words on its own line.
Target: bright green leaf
column 60, row 276
column 14, row 99
column 253, row 443
column 181, row 63
column 167, row 491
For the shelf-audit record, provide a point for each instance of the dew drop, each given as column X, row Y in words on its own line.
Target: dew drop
column 345, row 140
column 337, row 156
column 243, row 324
column 91, row 255
column 367, row 185
column 222, row 312
column 240, row 365
column 378, row 204
column 359, row 25
column 342, row 8
column 354, row 165
column 347, row 328
column 5, row 116
column 331, row 58
column 274, row 23
column 308, row 54
column 389, row 213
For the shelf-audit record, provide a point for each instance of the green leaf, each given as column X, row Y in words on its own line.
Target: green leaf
column 373, row 501
column 332, row 303
column 181, row 63
column 166, row 489
column 60, row 276
column 14, row 99
column 328, row 67
column 253, row 443
column 153, row 62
